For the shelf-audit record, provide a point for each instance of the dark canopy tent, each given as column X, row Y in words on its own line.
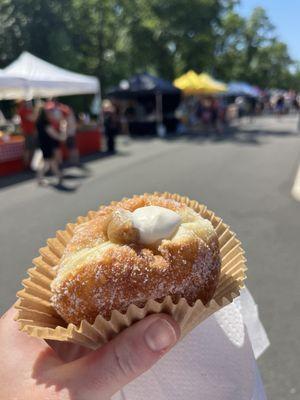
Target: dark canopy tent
column 155, row 95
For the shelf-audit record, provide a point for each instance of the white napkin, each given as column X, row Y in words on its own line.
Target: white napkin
column 256, row 331
column 213, row 362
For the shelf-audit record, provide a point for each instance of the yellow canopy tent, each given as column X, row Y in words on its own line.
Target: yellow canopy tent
column 208, row 85
column 188, row 83
column 192, row 84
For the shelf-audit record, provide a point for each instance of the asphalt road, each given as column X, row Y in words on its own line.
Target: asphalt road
column 245, row 177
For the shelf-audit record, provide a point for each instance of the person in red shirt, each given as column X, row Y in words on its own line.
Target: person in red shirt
column 63, row 114
column 71, row 128
column 56, row 119
column 28, row 115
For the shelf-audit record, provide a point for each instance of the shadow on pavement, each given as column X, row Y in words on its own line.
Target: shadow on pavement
column 238, row 135
column 63, row 187
column 241, row 135
column 29, row 175
column 71, row 176
column 102, row 155
column 15, row 179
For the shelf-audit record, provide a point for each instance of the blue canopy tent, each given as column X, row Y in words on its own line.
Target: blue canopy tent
column 154, row 94
column 242, row 89
column 142, row 85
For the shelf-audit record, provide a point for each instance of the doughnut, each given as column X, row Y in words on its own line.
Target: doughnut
column 143, row 248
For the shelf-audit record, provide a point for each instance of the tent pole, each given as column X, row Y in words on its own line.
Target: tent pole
column 159, row 111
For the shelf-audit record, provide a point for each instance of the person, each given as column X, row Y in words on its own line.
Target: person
column 214, row 110
column 222, row 115
column 28, row 115
column 128, row 116
column 296, row 105
column 206, row 116
column 280, row 106
column 216, row 360
column 49, row 141
column 111, row 125
column 241, row 104
column 252, row 101
column 66, row 114
column 199, row 107
column 36, row 370
column 71, row 136
column 56, row 118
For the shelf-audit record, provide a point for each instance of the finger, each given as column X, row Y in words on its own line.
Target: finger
column 131, row 353
column 68, row 351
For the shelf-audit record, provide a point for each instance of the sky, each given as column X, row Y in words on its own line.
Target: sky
column 285, row 15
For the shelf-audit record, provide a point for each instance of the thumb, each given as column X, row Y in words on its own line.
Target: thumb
column 103, row 372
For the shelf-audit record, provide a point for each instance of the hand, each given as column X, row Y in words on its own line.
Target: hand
column 63, row 125
column 32, row 370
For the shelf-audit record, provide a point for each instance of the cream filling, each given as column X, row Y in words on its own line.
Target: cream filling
column 155, row 223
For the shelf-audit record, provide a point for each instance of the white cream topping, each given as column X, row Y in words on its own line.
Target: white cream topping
column 155, row 223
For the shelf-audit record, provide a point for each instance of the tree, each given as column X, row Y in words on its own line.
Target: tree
column 248, row 50
column 169, row 37
column 230, row 47
column 35, row 26
column 114, row 39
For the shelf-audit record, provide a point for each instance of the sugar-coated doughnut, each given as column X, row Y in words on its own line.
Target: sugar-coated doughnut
column 120, row 258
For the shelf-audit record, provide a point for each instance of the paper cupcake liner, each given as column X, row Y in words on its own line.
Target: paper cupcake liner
column 38, row 318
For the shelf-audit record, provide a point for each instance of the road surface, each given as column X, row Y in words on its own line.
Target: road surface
column 246, row 177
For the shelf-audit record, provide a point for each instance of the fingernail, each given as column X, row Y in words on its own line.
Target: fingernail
column 160, row 335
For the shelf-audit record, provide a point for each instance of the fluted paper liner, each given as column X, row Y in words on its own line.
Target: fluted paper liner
column 37, row 317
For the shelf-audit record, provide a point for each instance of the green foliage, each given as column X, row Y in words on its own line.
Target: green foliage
column 115, row 38
column 249, row 50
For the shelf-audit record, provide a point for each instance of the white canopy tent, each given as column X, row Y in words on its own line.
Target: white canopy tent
column 43, row 79
column 12, row 87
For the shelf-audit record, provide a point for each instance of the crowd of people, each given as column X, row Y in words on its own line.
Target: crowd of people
column 214, row 113
column 211, row 112
column 206, row 112
column 45, row 126
column 278, row 104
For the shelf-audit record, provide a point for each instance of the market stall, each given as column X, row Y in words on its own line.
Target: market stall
column 202, row 104
column 43, row 79
column 209, row 85
column 11, row 154
column 29, row 77
column 147, row 103
column 188, row 83
column 11, row 87
column 88, row 142
column 243, row 99
column 203, row 84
